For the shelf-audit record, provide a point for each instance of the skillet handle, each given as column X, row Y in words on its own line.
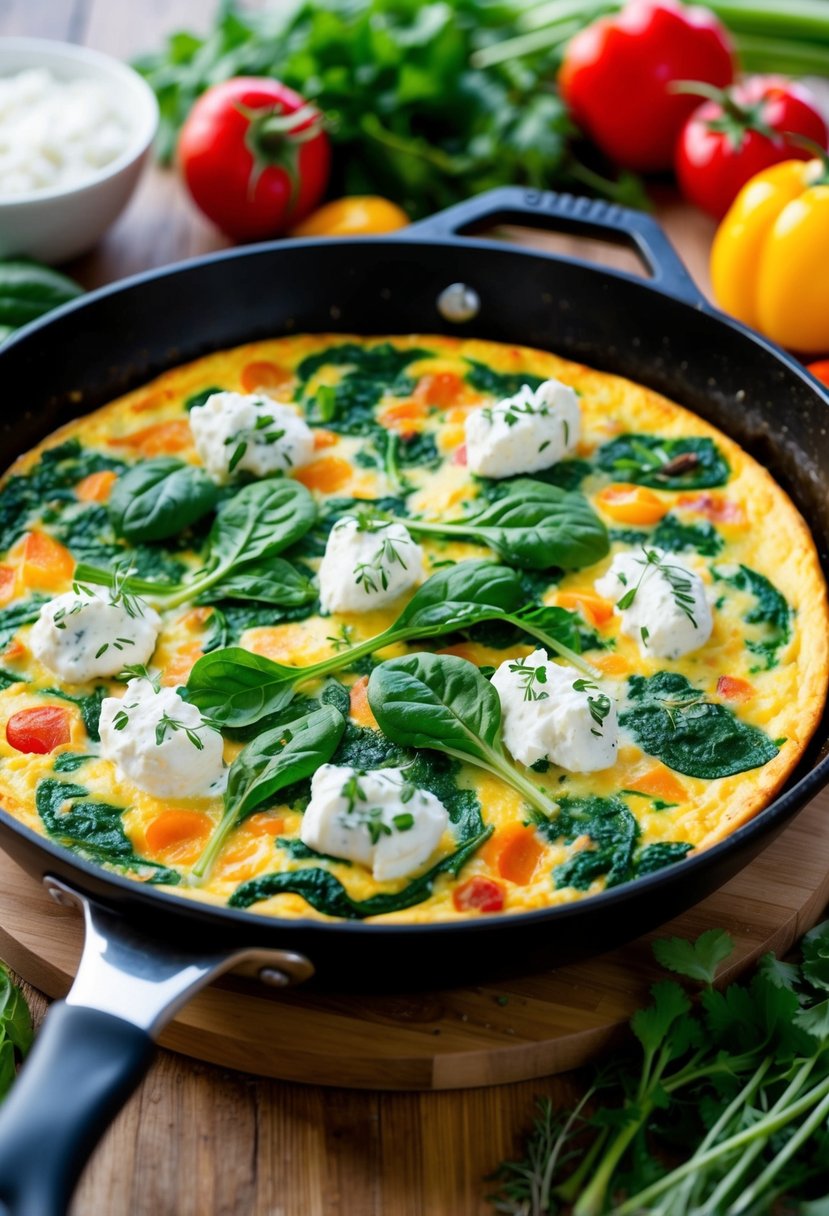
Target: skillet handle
column 82, row 1069
column 96, row 1045
column 572, row 214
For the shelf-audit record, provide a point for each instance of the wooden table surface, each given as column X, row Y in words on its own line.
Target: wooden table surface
column 197, row 1141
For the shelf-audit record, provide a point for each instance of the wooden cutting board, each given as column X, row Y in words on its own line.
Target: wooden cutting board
column 489, row 1035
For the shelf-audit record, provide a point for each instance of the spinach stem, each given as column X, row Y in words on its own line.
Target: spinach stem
column 490, row 760
column 553, row 644
column 204, row 865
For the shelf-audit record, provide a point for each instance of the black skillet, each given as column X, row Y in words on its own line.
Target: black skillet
column 147, row 950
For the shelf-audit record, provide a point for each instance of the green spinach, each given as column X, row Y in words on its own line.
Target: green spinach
column 771, row 612
column 499, row 384
column 156, row 499
column 672, row 720
column 16, row 1030
column 372, row 372
column 23, row 612
column 691, row 463
column 567, row 475
column 612, row 829
column 272, row 761
column 443, row 703
column 88, row 703
column 69, row 762
column 674, row 536
column 656, row 856
column 201, row 397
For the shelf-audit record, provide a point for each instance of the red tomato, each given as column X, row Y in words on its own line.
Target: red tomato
column 820, row 370
column 479, row 895
column 254, row 156
column 617, row 74
column 40, row 729
column 739, row 132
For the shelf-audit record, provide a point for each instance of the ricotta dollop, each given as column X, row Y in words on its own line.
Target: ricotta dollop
column 552, row 712
column 377, row 819
column 245, row 433
column 524, row 433
column 661, row 600
column 367, row 564
column 161, row 743
column 89, row 633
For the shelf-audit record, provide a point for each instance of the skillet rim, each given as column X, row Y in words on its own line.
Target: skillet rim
column 779, row 810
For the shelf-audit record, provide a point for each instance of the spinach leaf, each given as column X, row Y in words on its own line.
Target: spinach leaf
column 499, row 384
column 18, row 614
column 86, row 529
column 251, row 527
column 664, row 853
column 15, row 1019
column 94, row 829
column 671, row 719
column 201, row 397
column 69, row 762
column 567, row 475
column 229, row 621
column 690, row 463
column 299, row 851
column 444, row 703
column 89, row 705
column 673, row 536
column 535, row 525
column 8, row 678
column 611, row 827
column 236, row 688
column 372, row 373
column 273, row 581
column 771, row 612
column 270, row 762
column 160, row 498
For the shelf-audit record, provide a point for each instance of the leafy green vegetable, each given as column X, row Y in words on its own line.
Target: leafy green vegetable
column 771, row 612
column 89, row 705
column 674, row 536
column 443, row 703
column 273, row 760
column 94, row 829
column 250, row 529
column 236, row 688
column 697, row 960
column 372, row 372
column 671, row 719
column 229, row 621
column 18, row 614
column 535, row 525
column 567, row 475
column 272, row 581
column 8, row 678
column 69, row 762
column 159, row 498
column 86, row 529
column 201, row 397
column 28, row 291
column 16, row 1030
column 499, row 384
column 690, row 463
column 664, row 853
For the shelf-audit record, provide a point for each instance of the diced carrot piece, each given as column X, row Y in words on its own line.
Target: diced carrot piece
column 630, row 504
column 659, row 782
column 263, row 375
column 178, row 669
column 97, row 487
column 263, row 823
column 479, row 894
column 8, row 578
column 715, row 507
column 518, row 851
column 39, row 730
column 439, row 389
column 611, row 664
column 324, row 439
column 404, row 417
column 14, row 651
column 196, row 618
column 595, row 610
column 360, row 708
column 328, row 474
column 735, row 689
column 178, row 835
column 46, row 562
column 159, row 439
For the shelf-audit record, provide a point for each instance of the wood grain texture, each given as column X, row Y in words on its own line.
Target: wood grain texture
column 197, row 1140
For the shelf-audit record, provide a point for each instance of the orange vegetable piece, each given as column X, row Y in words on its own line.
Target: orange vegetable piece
column 519, row 851
column 8, row 578
column 178, row 835
column 39, row 730
column 659, row 782
column 478, row 894
column 159, row 439
column 611, row 664
column 820, row 370
column 263, row 823
column 402, row 416
column 328, row 474
column 360, row 709
column 324, row 439
column 595, row 610
column 46, row 562
column 196, row 618
column 735, row 689
column 180, row 666
column 97, row 487
column 262, row 375
column 630, row 504
column 440, row 389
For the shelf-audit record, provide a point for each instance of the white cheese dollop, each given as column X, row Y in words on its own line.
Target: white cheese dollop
column 661, row 601
column 55, row 133
column 367, row 564
column 161, row 743
column 524, row 433
column 553, row 712
column 83, row 635
column 244, row 433
column 376, row 819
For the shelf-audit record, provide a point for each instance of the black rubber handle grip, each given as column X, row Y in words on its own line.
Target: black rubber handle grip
column 82, row 1069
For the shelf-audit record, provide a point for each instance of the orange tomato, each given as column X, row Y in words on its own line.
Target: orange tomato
column 630, row 504
column 356, row 215
column 97, row 487
column 46, row 563
column 262, row 375
column 659, row 782
column 178, row 835
column 160, row 439
column 39, row 730
column 595, row 610
column 328, row 474
column 440, row 389
column 360, row 709
column 820, row 370
column 478, row 894
column 405, row 418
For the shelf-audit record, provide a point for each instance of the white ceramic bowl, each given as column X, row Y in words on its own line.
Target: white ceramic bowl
column 54, row 225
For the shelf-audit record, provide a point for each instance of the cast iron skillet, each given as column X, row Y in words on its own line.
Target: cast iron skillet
column 146, row 949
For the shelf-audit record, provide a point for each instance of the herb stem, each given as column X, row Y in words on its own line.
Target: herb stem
column 499, row 766
column 204, row 865
column 591, row 1202
column 551, row 643
column 817, row 1117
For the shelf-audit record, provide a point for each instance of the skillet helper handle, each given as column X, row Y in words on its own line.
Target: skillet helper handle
column 569, row 213
column 83, row 1067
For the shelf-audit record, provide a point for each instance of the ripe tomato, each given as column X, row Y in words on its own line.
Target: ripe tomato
column 254, row 156
column 741, row 131
column 38, row 730
column 617, row 76
column 479, row 895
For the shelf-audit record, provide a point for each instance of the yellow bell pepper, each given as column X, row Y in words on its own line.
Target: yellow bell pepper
column 357, row 215
column 770, row 260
